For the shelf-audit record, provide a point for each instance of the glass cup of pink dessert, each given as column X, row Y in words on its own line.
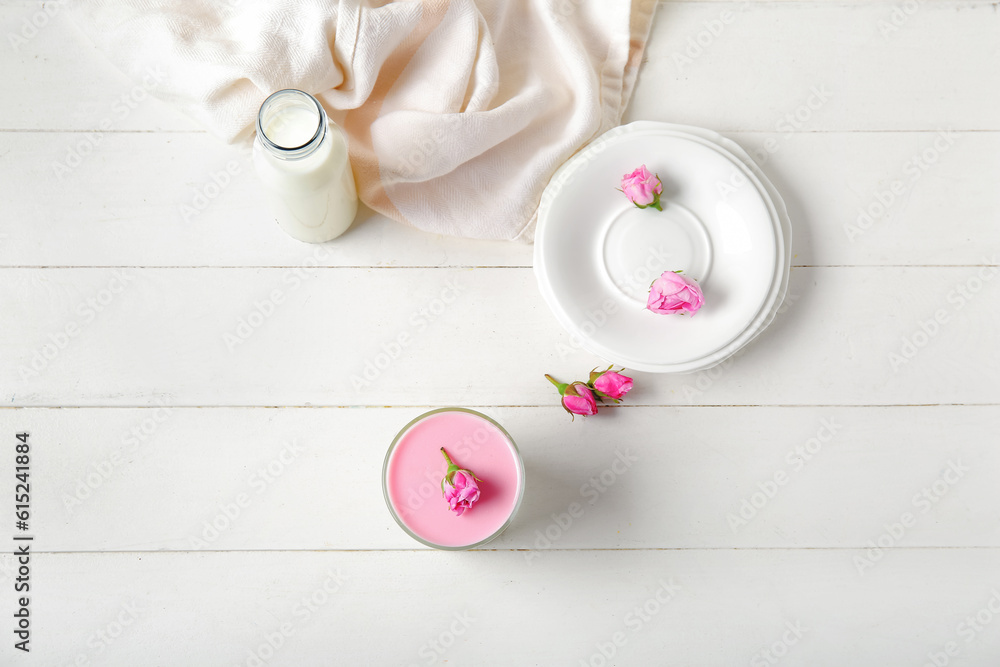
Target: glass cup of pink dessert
column 415, row 467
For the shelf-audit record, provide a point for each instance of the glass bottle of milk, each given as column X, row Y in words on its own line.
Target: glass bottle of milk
column 301, row 158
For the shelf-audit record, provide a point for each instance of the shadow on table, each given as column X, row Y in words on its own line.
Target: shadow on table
column 560, row 508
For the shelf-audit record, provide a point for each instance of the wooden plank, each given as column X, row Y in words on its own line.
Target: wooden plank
column 185, row 200
column 308, row 336
column 663, row 607
column 54, row 78
column 894, row 198
column 902, row 80
column 151, row 479
column 181, row 200
column 821, row 66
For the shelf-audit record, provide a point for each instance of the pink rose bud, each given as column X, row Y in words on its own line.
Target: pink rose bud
column 459, row 487
column 577, row 398
column 610, row 384
column 643, row 188
column 673, row 293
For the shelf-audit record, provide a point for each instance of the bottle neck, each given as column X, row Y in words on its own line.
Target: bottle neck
column 291, row 124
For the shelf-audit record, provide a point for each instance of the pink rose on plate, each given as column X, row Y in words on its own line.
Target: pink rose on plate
column 673, row 293
column 610, row 384
column 643, row 188
column 577, row 398
column 460, row 487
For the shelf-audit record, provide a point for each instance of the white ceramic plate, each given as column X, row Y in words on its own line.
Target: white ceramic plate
column 595, row 253
column 783, row 227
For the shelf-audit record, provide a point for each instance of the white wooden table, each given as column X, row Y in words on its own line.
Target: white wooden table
column 205, row 475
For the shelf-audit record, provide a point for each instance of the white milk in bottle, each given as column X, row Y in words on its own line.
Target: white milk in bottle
column 301, row 159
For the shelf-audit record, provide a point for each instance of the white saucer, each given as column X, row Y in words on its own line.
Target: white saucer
column 596, row 254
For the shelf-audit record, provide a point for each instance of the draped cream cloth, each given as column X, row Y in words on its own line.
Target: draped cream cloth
column 458, row 111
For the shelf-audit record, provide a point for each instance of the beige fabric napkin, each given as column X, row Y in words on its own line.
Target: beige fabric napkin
column 458, row 111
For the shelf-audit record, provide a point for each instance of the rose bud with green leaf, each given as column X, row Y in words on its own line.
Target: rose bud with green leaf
column 643, row 188
column 610, row 384
column 460, row 487
column 577, row 397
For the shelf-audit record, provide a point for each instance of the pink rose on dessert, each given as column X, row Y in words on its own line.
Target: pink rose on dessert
column 673, row 293
column 460, row 487
column 642, row 188
column 610, row 384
